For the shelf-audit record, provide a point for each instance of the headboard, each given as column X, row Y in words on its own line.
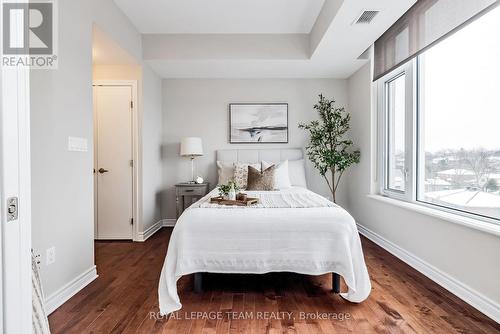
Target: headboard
column 257, row 155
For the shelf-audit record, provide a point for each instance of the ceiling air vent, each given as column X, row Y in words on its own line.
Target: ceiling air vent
column 366, row 17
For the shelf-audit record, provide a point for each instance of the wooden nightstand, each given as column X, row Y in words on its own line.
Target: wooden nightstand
column 191, row 191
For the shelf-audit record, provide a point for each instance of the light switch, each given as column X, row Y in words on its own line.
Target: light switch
column 77, row 144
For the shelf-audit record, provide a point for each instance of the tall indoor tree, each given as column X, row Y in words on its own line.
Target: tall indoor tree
column 329, row 150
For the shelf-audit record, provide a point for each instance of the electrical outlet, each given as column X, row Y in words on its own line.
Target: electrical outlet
column 37, row 256
column 50, row 255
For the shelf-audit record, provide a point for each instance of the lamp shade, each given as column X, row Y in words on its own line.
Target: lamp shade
column 191, row 146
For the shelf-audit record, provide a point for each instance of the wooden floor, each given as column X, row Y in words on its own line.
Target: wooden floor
column 124, row 300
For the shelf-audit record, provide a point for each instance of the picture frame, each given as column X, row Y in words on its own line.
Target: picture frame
column 258, row 123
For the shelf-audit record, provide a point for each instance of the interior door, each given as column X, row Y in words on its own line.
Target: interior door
column 113, row 167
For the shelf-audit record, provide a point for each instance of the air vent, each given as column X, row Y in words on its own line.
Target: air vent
column 366, row 17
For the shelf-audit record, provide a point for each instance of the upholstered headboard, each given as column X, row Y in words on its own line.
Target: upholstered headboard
column 257, row 155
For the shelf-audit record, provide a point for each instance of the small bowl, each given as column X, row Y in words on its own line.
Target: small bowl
column 241, row 197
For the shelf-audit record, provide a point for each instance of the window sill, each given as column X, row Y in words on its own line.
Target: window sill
column 447, row 216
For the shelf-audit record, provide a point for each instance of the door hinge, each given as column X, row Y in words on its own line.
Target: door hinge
column 131, row 221
column 131, row 163
column 132, row 104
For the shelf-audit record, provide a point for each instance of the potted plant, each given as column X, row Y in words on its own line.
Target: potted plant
column 228, row 191
column 329, row 150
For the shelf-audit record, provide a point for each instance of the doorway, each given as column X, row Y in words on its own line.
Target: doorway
column 114, row 157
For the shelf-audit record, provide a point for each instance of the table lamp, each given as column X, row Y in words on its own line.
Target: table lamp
column 191, row 147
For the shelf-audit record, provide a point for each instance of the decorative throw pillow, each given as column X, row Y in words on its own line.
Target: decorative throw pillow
column 281, row 177
column 225, row 171
column 241, row 173
column 258, row 180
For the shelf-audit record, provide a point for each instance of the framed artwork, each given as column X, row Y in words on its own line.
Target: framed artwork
column 258, row 123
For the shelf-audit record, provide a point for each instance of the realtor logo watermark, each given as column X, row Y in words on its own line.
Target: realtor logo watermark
column 29, row 34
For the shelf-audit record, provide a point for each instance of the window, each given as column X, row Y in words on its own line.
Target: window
column 396, row 133
column 441, row 123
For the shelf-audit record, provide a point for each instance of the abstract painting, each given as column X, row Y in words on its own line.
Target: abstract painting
column 258, row 123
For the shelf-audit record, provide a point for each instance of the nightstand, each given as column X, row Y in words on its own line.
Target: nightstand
column 190, row 191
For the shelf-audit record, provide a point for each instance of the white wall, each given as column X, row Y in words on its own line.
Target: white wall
column 61, row 106
column 117, row 72
column 152, row 136
column 225, row 46
column 199, row 107
column 468, row 256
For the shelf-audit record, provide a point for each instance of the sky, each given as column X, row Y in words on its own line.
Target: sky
column 461, row 90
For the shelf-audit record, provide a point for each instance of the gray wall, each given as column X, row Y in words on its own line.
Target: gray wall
column 152, row 135
column 467, row 255
column 199, row 107
column 61, row 106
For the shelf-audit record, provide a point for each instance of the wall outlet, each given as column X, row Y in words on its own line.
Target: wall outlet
column 37, row 256
column 50, row 255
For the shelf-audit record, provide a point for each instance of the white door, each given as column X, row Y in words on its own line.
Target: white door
column 113, row 166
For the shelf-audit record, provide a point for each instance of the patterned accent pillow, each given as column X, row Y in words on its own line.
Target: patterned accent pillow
column 241, row 173
column 261, row 180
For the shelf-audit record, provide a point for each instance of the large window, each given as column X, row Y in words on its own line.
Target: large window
column 441, row 117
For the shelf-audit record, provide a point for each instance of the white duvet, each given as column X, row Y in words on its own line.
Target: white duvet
column 315, row 237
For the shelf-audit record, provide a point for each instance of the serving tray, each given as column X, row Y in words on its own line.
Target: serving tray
column 220, row 200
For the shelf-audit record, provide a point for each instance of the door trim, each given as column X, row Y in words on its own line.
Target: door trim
column 136, row 155
column 15, row 181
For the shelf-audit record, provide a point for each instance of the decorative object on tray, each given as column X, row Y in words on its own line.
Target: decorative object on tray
column 232, row 194
column 228, row 191
column 261, row 180
column 328, row 148
column 258, row 123
column 241, row 197
column 246, row 202
column 199, row 180
column 191, row 147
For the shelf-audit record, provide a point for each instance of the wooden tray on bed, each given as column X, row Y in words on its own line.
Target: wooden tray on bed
column 220, row 200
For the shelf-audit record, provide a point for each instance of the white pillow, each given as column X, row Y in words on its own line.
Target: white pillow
column 225, row 171
column 297, row 173
column 241, row 173
column 281, row 178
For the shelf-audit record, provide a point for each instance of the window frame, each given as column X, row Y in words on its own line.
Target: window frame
column 414, row 152
column 408, row 194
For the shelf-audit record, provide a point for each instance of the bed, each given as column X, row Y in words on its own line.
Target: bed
column 291, row 230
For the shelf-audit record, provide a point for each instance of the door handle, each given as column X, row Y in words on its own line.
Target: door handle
column 102, row 170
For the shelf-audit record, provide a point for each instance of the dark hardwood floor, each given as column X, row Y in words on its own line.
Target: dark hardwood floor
column 124, row 300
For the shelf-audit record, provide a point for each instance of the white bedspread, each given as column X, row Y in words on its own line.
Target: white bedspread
column 307, row 240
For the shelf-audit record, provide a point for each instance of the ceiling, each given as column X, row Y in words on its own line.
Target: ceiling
column 258, row 38
column 222, row 16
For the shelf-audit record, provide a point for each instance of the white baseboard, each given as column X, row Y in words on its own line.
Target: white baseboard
column 464, row 292
column 169, row 222
column 62, row 295
column 143, row 236
column 69, row 290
